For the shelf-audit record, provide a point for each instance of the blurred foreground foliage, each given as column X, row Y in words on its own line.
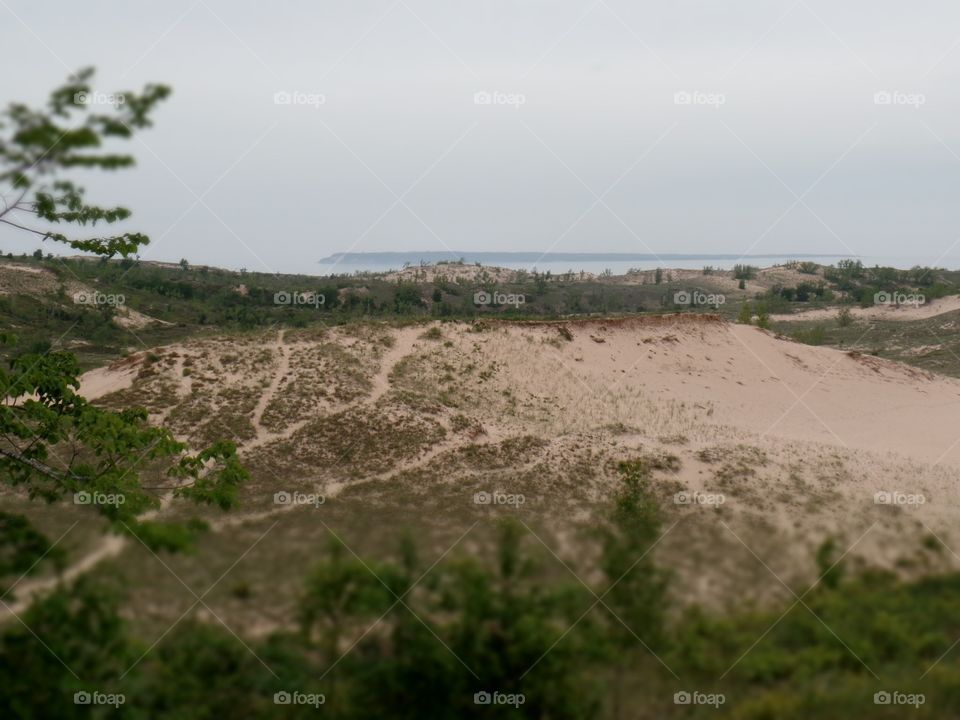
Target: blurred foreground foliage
column 401, row 638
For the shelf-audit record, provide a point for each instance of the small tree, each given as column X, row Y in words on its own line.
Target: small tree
column 844, row 317
column 763, row 316
column 37, row 144
column 636, row 598
column 745, row 316
column 41, row 415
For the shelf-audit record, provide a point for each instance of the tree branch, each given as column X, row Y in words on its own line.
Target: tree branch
column 24, row 227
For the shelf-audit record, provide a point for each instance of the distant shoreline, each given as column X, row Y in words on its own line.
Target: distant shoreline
column 596, row 263
column 492, row 257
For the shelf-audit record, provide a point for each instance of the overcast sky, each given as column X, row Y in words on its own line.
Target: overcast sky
column 684, row 126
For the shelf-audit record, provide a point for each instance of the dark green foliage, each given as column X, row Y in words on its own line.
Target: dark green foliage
column 42, row 411
column 763, row 315
column 410, row 635
column 406, row 297
column 72, row 641
column 200, row 672
column 22, row 548
column 811, row 336
column 844, row 317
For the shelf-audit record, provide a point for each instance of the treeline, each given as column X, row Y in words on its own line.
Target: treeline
column 247, row 300
column 862, row 284
column 849, row 281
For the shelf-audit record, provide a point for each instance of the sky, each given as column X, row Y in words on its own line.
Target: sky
column 300, row 129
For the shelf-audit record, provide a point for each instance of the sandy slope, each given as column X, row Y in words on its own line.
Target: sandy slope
column 931, row 309
column 103, row 381
column 739, row 377
column 798, row 438
column 724, row 375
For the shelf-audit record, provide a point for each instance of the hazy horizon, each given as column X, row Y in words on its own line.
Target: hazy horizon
column 299, row 131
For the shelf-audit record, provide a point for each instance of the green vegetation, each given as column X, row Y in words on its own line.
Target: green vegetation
column 744, row 272
column 403, row 637
column 56, row 443
column 812, row 336
column 39, row 144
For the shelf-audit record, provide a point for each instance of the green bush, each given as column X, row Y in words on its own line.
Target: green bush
column 813, row 336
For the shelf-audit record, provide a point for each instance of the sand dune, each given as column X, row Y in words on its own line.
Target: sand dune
column 798, row 439
column 931, row 309
column 722, row 374
column 741, row 377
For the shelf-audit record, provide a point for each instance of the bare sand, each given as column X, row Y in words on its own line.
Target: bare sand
column 798, row 438
column 940, row 306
